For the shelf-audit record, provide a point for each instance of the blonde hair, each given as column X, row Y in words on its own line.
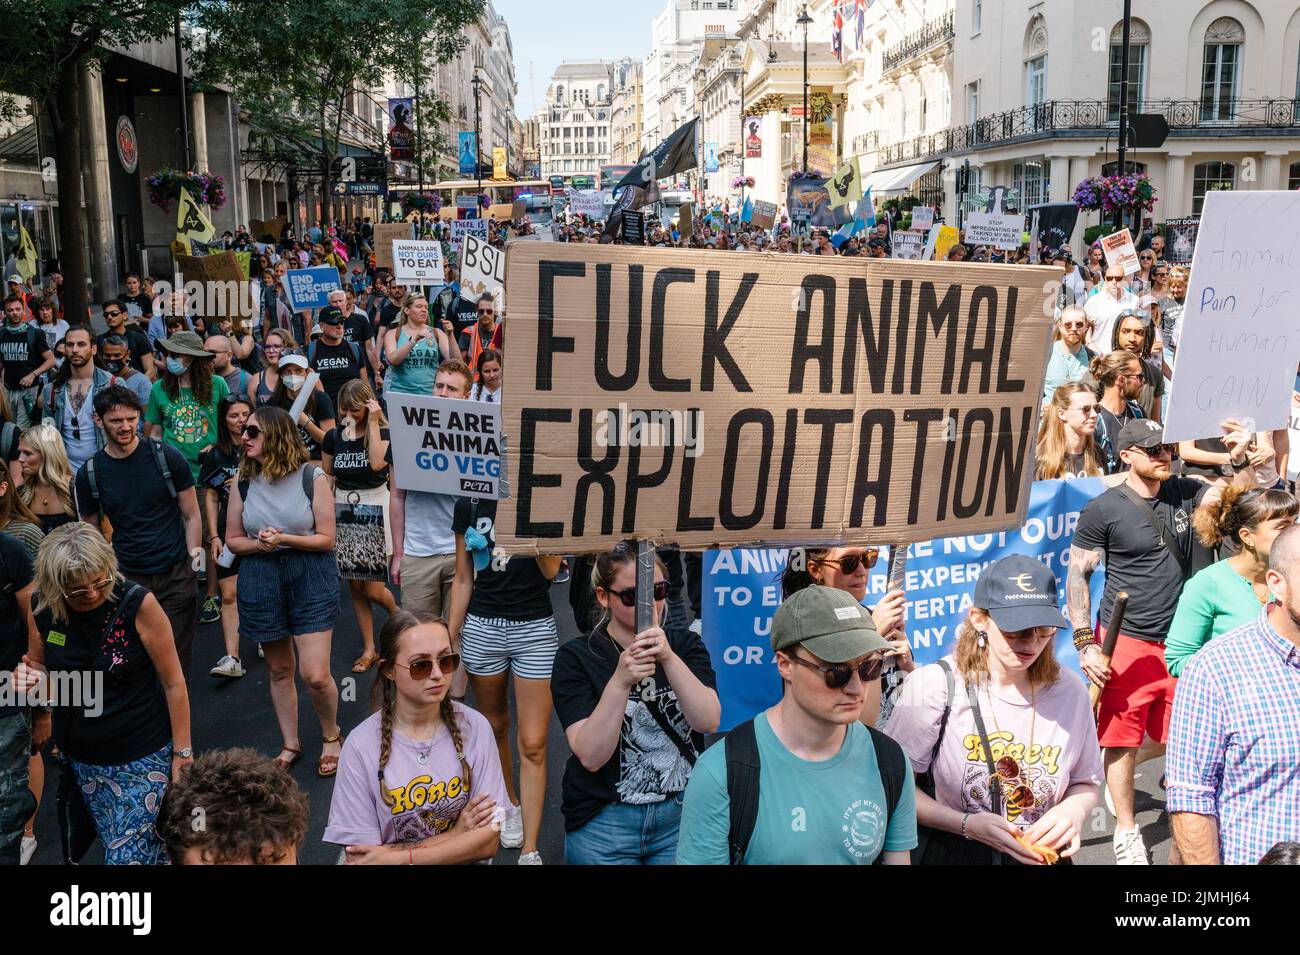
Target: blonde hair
column 973, row 660
column 69, row 557
column 282, row 449
column 55, row 471
column 1052, row 449
column 353, row 397
column 407, row 302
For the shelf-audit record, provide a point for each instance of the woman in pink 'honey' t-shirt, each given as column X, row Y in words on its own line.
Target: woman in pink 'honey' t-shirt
column 1041, row 738
column 419, row 782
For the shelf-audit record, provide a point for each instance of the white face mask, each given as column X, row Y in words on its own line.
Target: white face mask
column 294, row 382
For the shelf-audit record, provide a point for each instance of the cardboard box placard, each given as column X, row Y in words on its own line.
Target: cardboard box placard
column 898, row 401
column 385, row 233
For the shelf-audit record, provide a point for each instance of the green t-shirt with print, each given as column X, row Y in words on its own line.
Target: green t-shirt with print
column 188, row 425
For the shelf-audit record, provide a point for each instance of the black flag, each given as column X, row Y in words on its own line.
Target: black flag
column 675, row 154
column 629, row 198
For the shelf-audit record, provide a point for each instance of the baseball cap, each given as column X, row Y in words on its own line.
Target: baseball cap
column 16, row 279
column 828, row 622
column 329, row 315
column 1140, row 433
column 1019, row 593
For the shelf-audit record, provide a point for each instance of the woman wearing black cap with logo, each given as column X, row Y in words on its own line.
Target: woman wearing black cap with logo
column 1001, row 738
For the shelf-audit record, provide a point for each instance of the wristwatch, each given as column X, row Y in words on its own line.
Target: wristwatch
column 186, row 753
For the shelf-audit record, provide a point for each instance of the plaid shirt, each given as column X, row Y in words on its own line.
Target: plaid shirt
column 1234, row 743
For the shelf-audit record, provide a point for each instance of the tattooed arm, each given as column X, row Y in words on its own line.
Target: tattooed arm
column 1079, row 605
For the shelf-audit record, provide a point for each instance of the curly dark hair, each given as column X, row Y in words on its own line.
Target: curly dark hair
column 233, row 806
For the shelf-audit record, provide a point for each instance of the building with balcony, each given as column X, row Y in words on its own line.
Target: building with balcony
column 677, row 35
column 718, row 96
column 627, row 113
column 575, row 120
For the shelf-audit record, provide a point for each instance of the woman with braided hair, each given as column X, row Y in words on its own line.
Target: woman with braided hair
column 419, row 782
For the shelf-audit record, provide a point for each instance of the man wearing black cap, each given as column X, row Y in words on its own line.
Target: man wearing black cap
column 833, row 791
column 1142, row 531
column 335, row 359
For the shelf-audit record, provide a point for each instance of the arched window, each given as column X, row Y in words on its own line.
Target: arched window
column 1221, row 70
column 1036, row 61
column 1139, row 43
column 1209, row 177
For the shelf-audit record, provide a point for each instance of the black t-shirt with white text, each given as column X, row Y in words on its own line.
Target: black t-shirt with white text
column 1135, row 557
column 22, row 350
column 509, row 587
column 336, row 364
column 352, row 471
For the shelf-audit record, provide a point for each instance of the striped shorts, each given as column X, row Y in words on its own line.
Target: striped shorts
column 488, row 645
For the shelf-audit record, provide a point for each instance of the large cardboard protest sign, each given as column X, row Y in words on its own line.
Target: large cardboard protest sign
column 385, row 234
column 741, row 589
column 310, row 288
column 703, row 399
column 482, row 269
column 222, row 288
column 417, row 261
column 272, row 227
column 1239, row 342
column 446, row 445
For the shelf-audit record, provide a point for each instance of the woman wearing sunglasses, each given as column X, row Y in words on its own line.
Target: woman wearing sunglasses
column 634, row 707
column 847, row 569
column 501, row 621
column 93, row 622
column 279, row 342
column 1002, row 741
column 420, row 780
column 1067, row 444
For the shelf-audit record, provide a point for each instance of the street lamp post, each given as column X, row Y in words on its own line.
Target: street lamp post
column 477, row 83
column 1123, row 100
column 803, row 21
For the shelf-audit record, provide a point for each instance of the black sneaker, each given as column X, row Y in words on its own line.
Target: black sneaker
column 211, row 610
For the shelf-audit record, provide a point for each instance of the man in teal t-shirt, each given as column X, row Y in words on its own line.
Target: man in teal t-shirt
column 821, row 797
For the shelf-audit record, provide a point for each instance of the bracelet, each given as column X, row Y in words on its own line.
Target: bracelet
column 1083, row 638
column 964, row 818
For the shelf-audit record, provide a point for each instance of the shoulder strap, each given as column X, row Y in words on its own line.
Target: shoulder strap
column 90, row 479
column 683, row 747
column 893, row 771
column 309, row 481
column 8, row 436
column 243, row 489
column 1163, row 533
column 741, row 747
column 160, row 457
column 356, row 352
column 947, row 709
column 311, row 353
column 995, row 791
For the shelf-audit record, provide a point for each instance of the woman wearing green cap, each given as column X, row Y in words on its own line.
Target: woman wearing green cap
column 182, row 409
column 1001, row 738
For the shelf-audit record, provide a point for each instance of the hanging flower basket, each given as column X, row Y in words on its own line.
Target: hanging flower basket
column 743, row 181
column 166, row 184
column 415, row 202
column 1110, row 194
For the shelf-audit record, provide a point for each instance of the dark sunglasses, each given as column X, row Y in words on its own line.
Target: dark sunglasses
column 251, row 431
column 1159, row 449
column 112, row 314
column 838, row 674
column 485, row 311
column 423, row 669
column 849, row 563
column 628, row 596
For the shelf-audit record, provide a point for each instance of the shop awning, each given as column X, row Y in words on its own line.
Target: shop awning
column 892, row 182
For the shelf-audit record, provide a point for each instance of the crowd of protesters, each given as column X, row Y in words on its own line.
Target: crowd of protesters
column 156, row 478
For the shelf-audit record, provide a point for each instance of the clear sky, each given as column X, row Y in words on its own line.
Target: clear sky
column 545, row 32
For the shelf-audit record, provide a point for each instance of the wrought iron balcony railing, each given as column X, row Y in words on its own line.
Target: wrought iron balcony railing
column 913, row 45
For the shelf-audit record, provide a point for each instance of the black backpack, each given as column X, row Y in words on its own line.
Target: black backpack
column 159, row 458
column 308, row 483
column 743, row 770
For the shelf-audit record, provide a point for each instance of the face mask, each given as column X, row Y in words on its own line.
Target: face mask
column 114, row 367
column 177, row 366
column 294, row 382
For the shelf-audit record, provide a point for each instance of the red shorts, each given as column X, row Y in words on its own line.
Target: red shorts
column 1139, row 698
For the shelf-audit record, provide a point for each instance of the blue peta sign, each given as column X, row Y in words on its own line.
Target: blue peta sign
column 310, row 288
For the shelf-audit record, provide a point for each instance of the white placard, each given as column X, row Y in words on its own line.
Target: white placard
column 1119, row 250
column 417, row 261
column 922, row 218
column 587, row 202
column 998, row 229
column 482, row 269
column 446, row 445
column 463, row 227
column 1239, row 342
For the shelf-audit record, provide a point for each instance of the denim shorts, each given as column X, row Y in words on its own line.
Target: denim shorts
column 624, row 834
column 287, row 594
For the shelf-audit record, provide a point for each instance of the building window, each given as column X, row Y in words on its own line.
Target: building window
column 1221, row 69
column 972, row 101
column 1036, row 81
column 1032, row 179
column 1208, row 177
column 977, row 16
column 1139, row 38
column 1293, row 180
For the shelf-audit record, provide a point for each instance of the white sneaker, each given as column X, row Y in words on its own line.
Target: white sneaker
column 512, row 830
column 28, row 850
column 227, row 666
column 530, row 858
column 1130, row 849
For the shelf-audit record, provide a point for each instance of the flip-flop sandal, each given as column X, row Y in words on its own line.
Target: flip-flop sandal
column 287, row 764
column 327, row 766
column 365, row 662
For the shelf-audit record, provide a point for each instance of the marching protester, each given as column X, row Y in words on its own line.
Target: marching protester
column 182, row 409
column 1067, row 446
column 317, row 416
column 17, row 519
column 1133, row 332
column 253, row 812
column 414, row 349
column 277, row 343
column 47, row 477
column 114, row 358
column 355, row 456
column 1070, row 356
column 1119, row 378
column 68, row 401
column 336, row 359
column 1104, row 308
column 91, row 619
column 484, row 334
column 1244, row 521
column 501, row 620
column 1231, row 759
column 280, row 521
column 1021, row 793
column 488, row 386
column 26, row 356
column 53, row 327
column 632, row 752
column 145, row 490
column 17, row 719
column 1142, row 532
column 218, row 469
column 224, row 366
column 137, row 342
column 827, row 653
column 420, row 780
